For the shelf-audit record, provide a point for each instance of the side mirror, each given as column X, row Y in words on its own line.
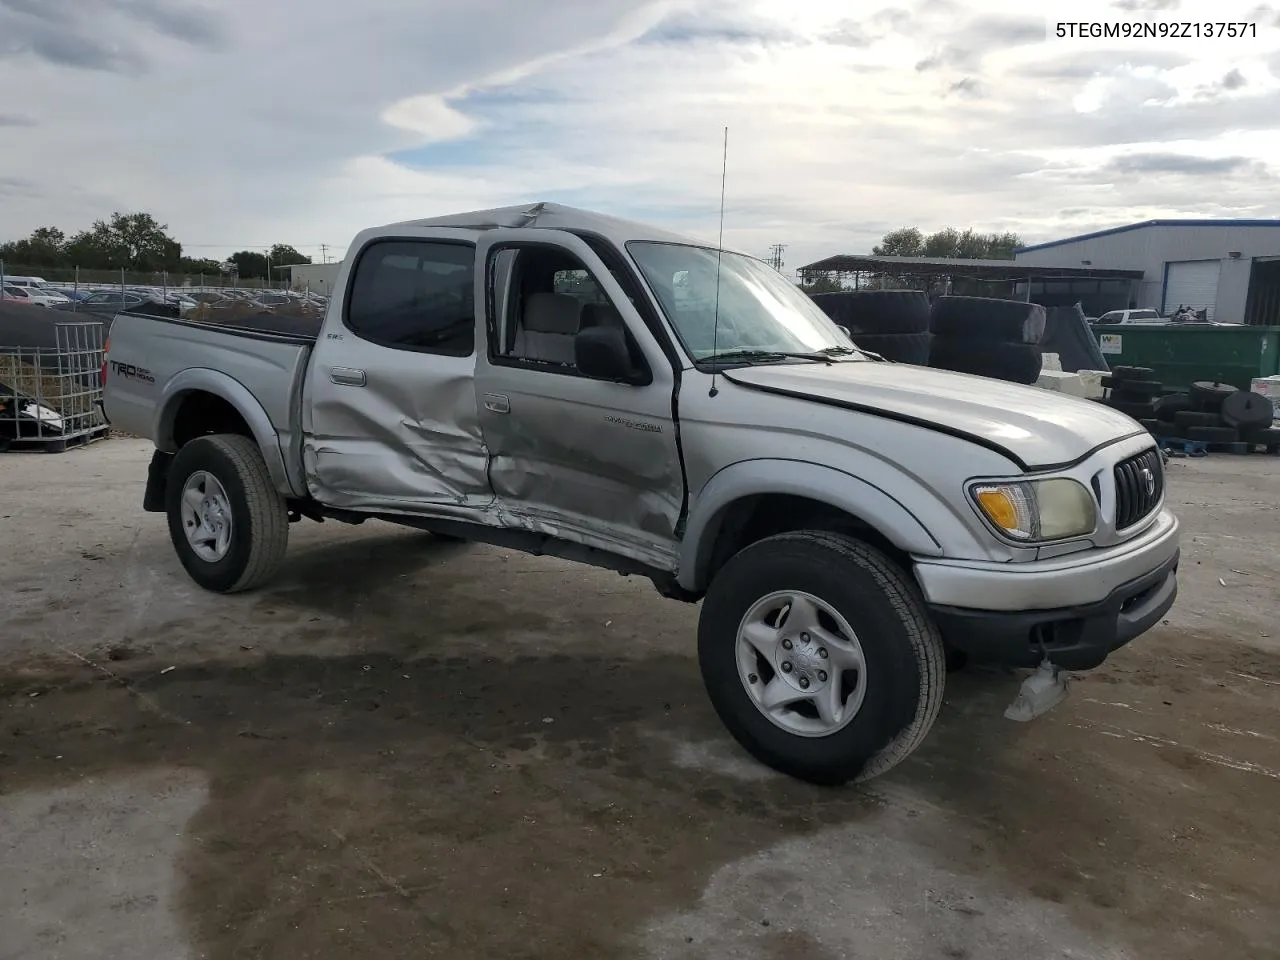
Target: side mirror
column 601, row 352
column 845, row 330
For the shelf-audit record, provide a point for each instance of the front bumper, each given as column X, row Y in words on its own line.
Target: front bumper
column 1075, row 638
column 1074, row 579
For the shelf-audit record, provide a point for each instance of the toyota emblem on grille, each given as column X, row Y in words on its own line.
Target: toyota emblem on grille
column 1149, row 480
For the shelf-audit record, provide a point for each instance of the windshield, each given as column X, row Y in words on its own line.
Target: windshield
column 760, row 310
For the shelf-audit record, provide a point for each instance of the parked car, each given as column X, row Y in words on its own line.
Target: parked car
column 844, row 521
column 206, row 296
column 1127, row 317
column 113, row 299
column 32, row 296
column 25, row 281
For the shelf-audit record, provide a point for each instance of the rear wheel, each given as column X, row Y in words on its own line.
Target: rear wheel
column 819, row 656
column 228, row 524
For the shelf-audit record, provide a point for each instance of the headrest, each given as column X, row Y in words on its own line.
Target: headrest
column 551, row 313
column 601, row 315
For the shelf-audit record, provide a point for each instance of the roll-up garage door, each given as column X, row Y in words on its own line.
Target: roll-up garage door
column 1192, row 283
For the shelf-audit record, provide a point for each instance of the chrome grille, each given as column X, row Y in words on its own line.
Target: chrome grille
column 1139, row 487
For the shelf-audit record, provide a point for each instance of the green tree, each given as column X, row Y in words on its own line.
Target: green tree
column 282, row 255
column 249, row 264
column 134, row 241
column 907, row 242
column 201, row 265
column 821, row 283
column 947, row 242
column 46, row 247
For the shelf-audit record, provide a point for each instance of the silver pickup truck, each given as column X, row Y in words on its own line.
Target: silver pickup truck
column 566, row 383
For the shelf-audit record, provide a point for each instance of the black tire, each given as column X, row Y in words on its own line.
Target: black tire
column 1131, row 374
column 1246, row 410
column 1207, row 395
column 899, row 347
column 988, row 320
column 1166, row 407
column 901, row 647
column 1139, row 411
column 1141, row 391
column 1167, row 428
column 1016, row 362
column 1213, row 434
column 1186, row 419
column 877, row 311
column 259, row 518
column 1153, row 427
column 1266, row 437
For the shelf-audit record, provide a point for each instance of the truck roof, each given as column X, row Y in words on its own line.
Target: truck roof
column 554, row 216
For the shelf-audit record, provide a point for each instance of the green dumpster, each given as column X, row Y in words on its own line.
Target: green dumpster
column 1182, row 354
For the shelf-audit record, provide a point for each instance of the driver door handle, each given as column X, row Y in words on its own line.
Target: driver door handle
column 497, row 403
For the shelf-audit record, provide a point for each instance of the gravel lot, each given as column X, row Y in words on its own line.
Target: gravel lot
column 406, row 748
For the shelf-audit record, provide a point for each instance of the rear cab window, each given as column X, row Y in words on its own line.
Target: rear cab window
column 414, row 295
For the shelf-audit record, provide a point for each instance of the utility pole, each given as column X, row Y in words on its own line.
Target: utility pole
column 324, row 253
column 775, row 256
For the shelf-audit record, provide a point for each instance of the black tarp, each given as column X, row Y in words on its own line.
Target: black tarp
column 27, row 328
column 1068, row 334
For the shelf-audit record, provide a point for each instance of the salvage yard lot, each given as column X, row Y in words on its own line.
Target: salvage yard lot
column 405, row 748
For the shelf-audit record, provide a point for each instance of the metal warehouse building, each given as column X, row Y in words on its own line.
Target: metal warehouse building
column 314, row 277
column 1228, row 268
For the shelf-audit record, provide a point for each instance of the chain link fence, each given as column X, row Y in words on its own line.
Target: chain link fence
column 78, row 278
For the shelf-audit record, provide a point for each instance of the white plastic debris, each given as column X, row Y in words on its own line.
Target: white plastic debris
column 1039, row 693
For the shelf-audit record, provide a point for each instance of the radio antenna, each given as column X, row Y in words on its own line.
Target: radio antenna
column 715, row 326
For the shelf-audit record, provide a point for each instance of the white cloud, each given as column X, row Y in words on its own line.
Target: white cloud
column 431, row 117
column 255, row 122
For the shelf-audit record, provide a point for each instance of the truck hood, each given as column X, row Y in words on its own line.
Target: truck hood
column 1035, row 428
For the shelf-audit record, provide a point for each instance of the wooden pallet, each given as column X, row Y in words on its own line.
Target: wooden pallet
column 53, row 444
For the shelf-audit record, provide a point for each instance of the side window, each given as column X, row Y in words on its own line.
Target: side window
column 540, row 298
column 415, row 295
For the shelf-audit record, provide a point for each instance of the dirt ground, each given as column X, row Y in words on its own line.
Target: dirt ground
column 406, row 748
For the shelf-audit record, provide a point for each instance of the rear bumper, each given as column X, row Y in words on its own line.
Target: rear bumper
column 1078, row 637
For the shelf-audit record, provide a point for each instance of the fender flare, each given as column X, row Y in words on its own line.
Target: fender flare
column 838, row 489
column 225, row 387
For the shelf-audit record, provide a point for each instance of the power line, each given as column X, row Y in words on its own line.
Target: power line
column 775, row 256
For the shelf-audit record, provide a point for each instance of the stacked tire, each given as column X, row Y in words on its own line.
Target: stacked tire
column 987, row 337
column 1250, row 415
column 1135, row 391
column 892, row 323
column 1210, row 412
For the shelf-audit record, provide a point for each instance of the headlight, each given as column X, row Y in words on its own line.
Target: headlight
column 1037, row 510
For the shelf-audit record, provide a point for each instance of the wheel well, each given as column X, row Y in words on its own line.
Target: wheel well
column 753, row 518
column 200, row 413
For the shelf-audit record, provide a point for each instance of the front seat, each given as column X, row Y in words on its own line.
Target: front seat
column 547, row 329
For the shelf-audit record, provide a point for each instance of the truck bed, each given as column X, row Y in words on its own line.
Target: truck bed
column 155, row 364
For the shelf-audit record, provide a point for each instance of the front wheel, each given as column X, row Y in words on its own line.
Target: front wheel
column 819, row 656
column 228, row 523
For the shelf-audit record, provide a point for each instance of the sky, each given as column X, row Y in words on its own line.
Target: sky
column 243, row 123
